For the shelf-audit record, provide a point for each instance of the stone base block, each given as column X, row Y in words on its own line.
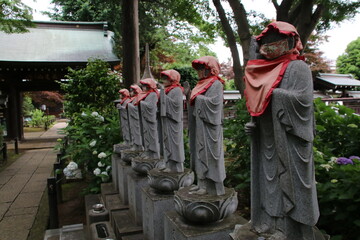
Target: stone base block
column 113, row 204
column 107, row 189
column 176, row 228
column 135, row 184
column 115, row 158
column 134, row 237
column 101, row 231
column 123, row 171
column 95, row 216
column 90, row 201
column 155, row 205
column 124, row 225
column 170, row 181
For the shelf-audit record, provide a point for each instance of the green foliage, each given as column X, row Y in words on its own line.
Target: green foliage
column 94, row 87
column 15, row 16
column 338, row 130
column 339, row 197
column 38, row 119
column 28, row 107
column 348, row 63
column 237, row 152
column 230, row 85
column 91, row 139
column 188, row 74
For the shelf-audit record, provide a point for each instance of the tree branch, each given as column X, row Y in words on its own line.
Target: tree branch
column 230, row 37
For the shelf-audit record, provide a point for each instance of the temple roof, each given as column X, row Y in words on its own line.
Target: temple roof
column 337, row 81
column 59, row 42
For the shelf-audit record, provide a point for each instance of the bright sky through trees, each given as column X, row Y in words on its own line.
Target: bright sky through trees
column 340, row 36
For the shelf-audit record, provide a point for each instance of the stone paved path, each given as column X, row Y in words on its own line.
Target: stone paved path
column 22, row 185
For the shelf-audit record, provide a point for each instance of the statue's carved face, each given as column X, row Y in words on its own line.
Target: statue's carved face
column 165, row 80
column 132, row 93
column 202, row 71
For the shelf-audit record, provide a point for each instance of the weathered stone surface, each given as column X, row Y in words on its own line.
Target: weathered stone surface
column 200, row 209
column 170, row 181
column 125, row 225
column 177, row 228
column 143, row 165
column 135, row 183
column 155, row 205
column 123, row 171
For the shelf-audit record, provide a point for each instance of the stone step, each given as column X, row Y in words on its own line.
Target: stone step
column 124, row 224
column 108, row 189
column 134, row 237
column 90, row 200
column 67, row 232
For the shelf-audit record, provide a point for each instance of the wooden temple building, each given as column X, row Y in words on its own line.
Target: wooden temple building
column 38, row 59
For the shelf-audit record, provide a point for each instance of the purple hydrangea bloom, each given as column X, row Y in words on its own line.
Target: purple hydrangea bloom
column 355, row 158
column 344, row 161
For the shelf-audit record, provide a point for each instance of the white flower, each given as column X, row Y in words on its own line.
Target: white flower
column 94, row 114
column 67, row 172
column 100, row 164
column 101, row 118
column 97, row 171
column 102, row 155
column 108, row 168
column 104, row 173
column 83, row 114
column 326, row 166
column 72, row 166
column 94, row 152
column 92, row 143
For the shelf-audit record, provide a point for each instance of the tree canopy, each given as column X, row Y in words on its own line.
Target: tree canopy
column 171, row 28
column 349, row 62
column 15, row 16
column 305, row 15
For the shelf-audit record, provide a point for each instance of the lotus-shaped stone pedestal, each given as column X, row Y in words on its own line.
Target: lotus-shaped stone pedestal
column 143, row 165
column 202, row 209
column 170, row 181
column 127, row 155
column 117, row 148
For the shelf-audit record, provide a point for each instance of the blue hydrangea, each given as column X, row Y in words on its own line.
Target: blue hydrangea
column 344, row 161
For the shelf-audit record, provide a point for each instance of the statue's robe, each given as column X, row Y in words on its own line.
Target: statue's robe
column 135, row 128
column 283, row 179
column 206, row 117
column 173, row 126
column 148, row 108
column 124, row 122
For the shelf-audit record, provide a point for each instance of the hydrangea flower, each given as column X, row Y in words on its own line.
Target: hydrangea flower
column 354, row 158
column 344, row 161
column 94, row 114
column 72, row 166
column 83, row 114
column 92, row 143
column 94, row 152
column 100, row 164
column 108, row 168
column 104, row 173
column 102, row 155
column 334, row 180
column 326, row 166
column 97, row 171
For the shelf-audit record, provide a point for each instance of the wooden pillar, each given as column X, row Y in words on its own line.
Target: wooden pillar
column 14, row 114
column 130, row 42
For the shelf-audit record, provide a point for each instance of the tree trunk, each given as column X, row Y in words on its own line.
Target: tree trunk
column 230, row 37
column 130, row 42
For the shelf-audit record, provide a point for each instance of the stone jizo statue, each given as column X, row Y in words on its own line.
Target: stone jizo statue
column 171, row 102
column 279, row 94
column 124, row 120
column 205, row 126
column 148, row 104
column 134, row 119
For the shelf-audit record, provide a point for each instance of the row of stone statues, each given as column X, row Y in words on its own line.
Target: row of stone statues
column 279, row 98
